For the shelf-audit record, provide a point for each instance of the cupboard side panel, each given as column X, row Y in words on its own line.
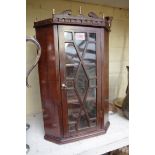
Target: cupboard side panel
column 99, row 79
column 62, row 74
column 49, row 82
column 105, row 77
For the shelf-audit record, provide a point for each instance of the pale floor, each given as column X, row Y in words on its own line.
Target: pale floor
column 116, row 137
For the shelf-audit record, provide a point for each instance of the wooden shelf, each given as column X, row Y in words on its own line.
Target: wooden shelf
column 92, row 119
column 74, row 101
column 71, row 122
column 72, row 65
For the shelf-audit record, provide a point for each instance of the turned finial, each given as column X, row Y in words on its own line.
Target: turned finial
column 53, row 11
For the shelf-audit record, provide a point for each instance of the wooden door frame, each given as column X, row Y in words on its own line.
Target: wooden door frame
column 61, row 29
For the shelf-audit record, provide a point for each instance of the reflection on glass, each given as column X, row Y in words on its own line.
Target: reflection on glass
column 90, row 103
column 83, row 121
column 91, row 70
column 92, row 82
column 71, row 54
column 92, row 36
column 71, row 71
column 72, row 60
column 68, row 36
column 91, row 108
column 71, row 96
column 93, row 122
column 73, row 114
column 72, row 127
column 80, row 41
column 70, row 83
column 81, row 82
column 91, row 94
column 90, row 55
column 90, row 59
column 85, row 82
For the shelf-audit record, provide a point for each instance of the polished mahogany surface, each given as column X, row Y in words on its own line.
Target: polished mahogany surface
column 74, row 76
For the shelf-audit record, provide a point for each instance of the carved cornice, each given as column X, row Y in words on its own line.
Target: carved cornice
column 66, row 18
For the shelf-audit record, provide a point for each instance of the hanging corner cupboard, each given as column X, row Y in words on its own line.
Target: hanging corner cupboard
column 74, row 75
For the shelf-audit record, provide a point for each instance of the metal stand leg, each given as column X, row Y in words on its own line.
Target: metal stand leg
column 27, row 146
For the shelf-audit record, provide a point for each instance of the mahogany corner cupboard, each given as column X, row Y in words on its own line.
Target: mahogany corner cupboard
column 74, row 76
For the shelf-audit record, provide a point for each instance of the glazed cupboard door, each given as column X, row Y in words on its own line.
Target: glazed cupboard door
column 80, row 69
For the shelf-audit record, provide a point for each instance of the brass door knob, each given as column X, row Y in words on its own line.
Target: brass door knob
column 63, row 86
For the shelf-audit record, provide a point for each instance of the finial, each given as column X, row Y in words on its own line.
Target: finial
column 53, row 11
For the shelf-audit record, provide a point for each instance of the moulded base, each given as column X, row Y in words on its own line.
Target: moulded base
column 73, row 139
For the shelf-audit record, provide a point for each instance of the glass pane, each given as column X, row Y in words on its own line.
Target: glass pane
column 71, row 96
column 92, row 36
column 72, row 127
column 80, row 41
column 92, row 82
column 81, row 82
column 71, row 54
column 72, row 60
column 91, row 108
column 93, row 122
column 73, row 114
column 90, row 105
column 91, row 94
column 68, row 36
column 75, row 71
column 90, row 59
column 90, row 55
column 83, row 121
column 71, row 71
column 91, row 70
column 70, row 83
